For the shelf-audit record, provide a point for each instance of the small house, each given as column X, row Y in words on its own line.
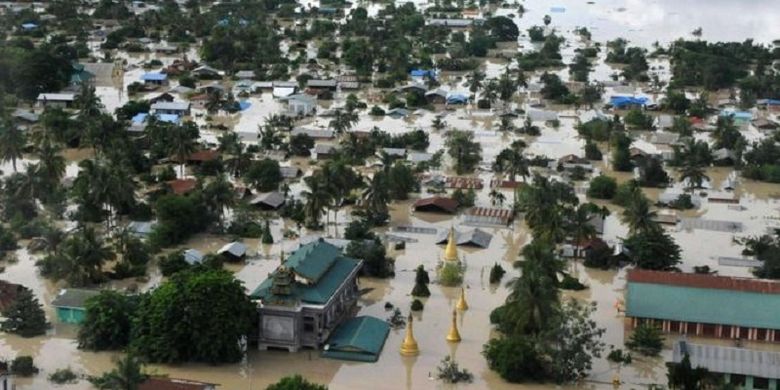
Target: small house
column 451, row 23
column 154, row 79
column 206, row 72
column 181, row 186
column 290, row 172
column 25, row 116
column 735, row 367
column 418, row 157
column 488, row 216
column 141, row 229
column 163, row 97
column 268, row 200
column 313, row 133
column 436, row 96
column 393, row 153
column 457, row 98
column 300, row 104
column 70, row 304
column 193, row 256
column 536, row 115
column 245, row 74
column 473, row 238
column 59, row 100
column 233, row 251
column 322, row 84
column 764, row 124
column 323, row 151
column 172, row 108
column 436, row 204
column 397, row 113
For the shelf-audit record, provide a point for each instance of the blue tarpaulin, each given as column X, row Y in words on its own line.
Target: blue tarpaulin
column 140, row 117
column 423, row 73
column 457, row 98
column 170, row 118
column 29, row 26
column 154, row 76
column 738, row 115
column 558, row 9
column 626, row 101
column 244, row 105
column 772, row 102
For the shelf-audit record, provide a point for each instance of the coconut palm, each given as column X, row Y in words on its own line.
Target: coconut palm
column 475, row 80
column 12, row 142
column 342, row 121
column 317, row 199
column 376, row 197
column 580, row 227
column 694, row 174
column 182, row 145
column 128, row 375
column 533, row 299
column 438, row 123
column 219, row 196
column 51, row 163
column 120, row 191
column 638, row 215
column 497, row 197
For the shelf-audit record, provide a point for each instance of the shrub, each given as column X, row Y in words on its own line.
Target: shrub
column 23, row 366
column 618, row 356
column 602, row 187
column 450, row 275
column 646, row 339
column 172, row 263
column 450, row 372
column 496, row 273
column 571, row 283
column 63, row 375
column 295, row 382
column 592, row 151
column 417, row 305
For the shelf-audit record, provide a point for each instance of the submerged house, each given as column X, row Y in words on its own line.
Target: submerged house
column 307, row 297
column 71, row 304
column 743, row 368
column 704, row 305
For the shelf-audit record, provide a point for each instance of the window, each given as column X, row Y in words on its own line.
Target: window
column 308, row 324
column 760, row 383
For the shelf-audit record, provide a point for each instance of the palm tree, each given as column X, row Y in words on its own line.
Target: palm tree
column 638, row 216
column 342, row 120
column 438, row 123
column 85, row 253
column 694, row 174
column 182, row 145
column 120, row 189
column 317, row 199
column 88, row 102
column 128, row 375
column 475, row 80
column 497, row 197
column 12, row 142
column 51, row 163
column 214, row 101
column 219, row 195
column 376, row 197
column 581, row 229
column 533, row 299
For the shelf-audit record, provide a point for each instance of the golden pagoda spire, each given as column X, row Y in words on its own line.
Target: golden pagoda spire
column 462, row 305
column 454, row 335
column 451, row 251
column 409, row 346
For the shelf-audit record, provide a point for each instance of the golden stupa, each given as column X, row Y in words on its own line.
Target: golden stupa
column 409, row 346
column 462, row 305
column 454, row 335
column 451, row 251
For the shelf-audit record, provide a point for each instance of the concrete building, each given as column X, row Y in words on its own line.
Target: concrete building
column 307, row 297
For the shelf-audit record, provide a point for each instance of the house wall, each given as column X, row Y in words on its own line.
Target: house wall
column 709, row 330
column 70, row 315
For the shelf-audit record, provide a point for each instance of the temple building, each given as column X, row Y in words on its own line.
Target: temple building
column 307, row 297
column 704, row 305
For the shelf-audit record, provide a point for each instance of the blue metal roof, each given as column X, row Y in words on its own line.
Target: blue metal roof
column 623, row 101
column 139, row 118
column 703, row 305
column 169, row 118
column 154, row 76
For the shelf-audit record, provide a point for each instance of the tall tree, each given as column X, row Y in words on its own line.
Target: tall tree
column 317, row 198
column 12, row 142
column 25, row 316
column 638, row 215
column 182, row 143
column 465, row 152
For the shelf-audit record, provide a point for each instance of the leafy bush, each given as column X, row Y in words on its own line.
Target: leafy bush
column 646, row 339
column 451, row 274
column 417, row 305
column 602, row 187
column 23, row 366
column 496, row 273
column 450, row 372
column 571, row 283
column 295, row 382
column 618, row 356
column 63, row 376
column 172, row 263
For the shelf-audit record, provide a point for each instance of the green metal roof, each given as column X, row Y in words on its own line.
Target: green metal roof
column 73, row 298
column 327, row 270
column 312, row 260
column 358, row 339
column 703, row 305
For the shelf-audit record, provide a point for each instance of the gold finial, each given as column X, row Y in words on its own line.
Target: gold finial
column 451, row 251
column 454, row 335
column 409, row 346
column 462, row 305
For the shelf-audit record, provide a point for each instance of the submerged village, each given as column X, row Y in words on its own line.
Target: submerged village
column 500, row 194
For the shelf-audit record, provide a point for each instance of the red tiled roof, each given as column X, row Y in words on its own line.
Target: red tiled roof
column 504, row 214
column 498, row 183
column 704, row 281
column 204, row 155
column 182, row 186
column 173, row 384
column 464, row 182
column 447, row 204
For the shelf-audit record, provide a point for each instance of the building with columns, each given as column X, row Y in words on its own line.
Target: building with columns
column 704, row 305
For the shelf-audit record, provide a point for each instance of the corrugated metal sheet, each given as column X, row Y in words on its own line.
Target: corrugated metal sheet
column 730, row 360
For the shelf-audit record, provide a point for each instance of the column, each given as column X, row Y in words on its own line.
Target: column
column 719, row 331
column 699, row 328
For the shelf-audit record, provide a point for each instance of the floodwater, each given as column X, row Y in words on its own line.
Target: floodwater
column 642, row 23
